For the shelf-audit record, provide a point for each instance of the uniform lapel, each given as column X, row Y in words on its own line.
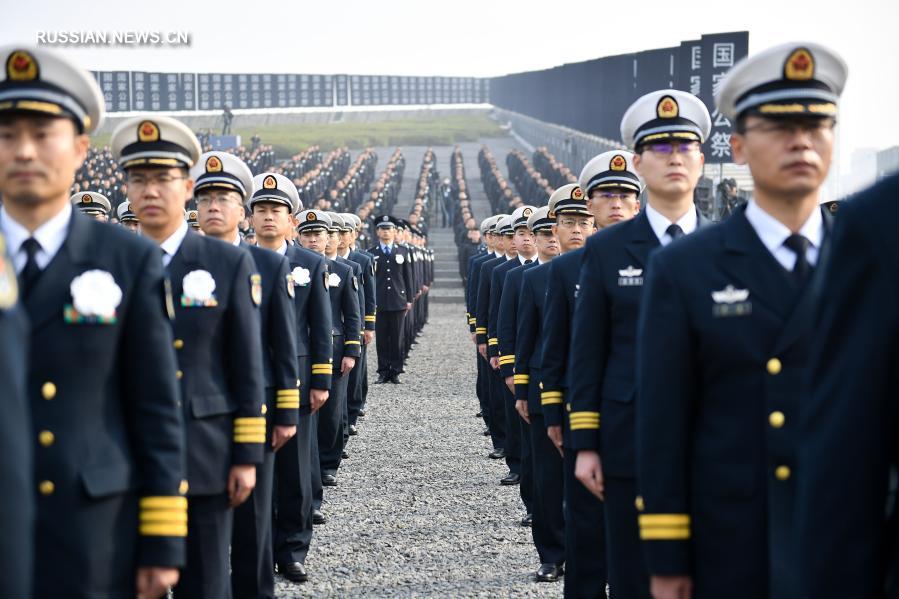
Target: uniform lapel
column 799, row 318
column 642, row 241
column 182, row 262
column 751, row 266
column 51, row 292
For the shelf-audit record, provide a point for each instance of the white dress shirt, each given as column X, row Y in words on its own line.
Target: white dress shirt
column 773, row 233
column 171, row 245
column 283, row 249
column 50, row 235
column 661, row 223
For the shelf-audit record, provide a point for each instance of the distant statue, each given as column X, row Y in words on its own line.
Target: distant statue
column 227, row 117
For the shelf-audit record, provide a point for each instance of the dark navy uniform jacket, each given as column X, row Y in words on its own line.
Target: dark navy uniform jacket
column 309, row 272
column 346, row 322
column 108, row 433
column 531, row 308
column 357, row 285
column 555, row 375
column 482, row 311
column 603, row 341
column 393, row 278
column 507, row 315
column 723, row 346
column 219, row 349
column 497, row 285
column 16, row 439
column 279, row 347
column 850, row 424
column 367, row 283
column 471, row 289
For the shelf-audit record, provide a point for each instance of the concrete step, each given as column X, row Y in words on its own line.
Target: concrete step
column 448, row 283
column 452, row 299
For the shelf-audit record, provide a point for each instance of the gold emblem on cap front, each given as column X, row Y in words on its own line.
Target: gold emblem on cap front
column 147, row 131
column 269, row 183
column 577, row 193
column 86, row 199
column 213, row 165
column 527, row 212
column 21, row 66
column 667, row 108
column 618, row 163
column 800, row 65
column 311, row 216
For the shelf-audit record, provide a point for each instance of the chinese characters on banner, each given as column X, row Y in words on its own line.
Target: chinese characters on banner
column 717, row 54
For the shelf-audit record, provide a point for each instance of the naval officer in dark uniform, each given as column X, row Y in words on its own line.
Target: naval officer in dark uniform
column 724, row 341
column 666, row 128
column 272, row 206
column 106, row 430
column 216, row 294
column 222, row 183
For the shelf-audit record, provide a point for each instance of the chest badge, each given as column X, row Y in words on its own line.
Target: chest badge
column 630, row 277
column 731, row 301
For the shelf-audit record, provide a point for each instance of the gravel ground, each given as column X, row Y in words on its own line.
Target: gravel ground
column 418, row 510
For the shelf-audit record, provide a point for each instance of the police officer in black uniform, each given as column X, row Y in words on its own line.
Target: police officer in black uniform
column 272, row 206
column 395, row 292
column 724, row 342
column 222, row 183
column 106, row 431
column 216, row 294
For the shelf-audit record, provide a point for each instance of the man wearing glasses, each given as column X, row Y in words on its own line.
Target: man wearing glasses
column 665, row 128
column 724, row 338
column 214, row 307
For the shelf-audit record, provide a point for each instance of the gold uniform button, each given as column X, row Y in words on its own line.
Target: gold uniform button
column 264, row 408
column 638, row 503
column 179, row 374
column 46, row 438
column 782, row 472
column 179, row 343
column 568, row 407
column 183, row 487
column 46, row 487
column 776, row 419
column 774, row 366
column 48, row 390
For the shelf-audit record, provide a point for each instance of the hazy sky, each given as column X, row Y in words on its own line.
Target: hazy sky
column 477, row 38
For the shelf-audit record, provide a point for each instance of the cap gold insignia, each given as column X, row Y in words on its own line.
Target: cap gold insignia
column 86, row 199
column 577, row 194
column 269, row 183
column 527, row 212
column 834, row 206
column 311, row 217
column 667, row 108
column 147, row 131
column 21, row 66
column 192, row 215
column 800, row 66
column 618, row 163
column 213, row 165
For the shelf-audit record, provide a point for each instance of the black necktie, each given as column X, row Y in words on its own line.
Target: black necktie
column 30, row 274
column 528, row 261
column 674, row 231
column 387, row 249
column 799, row 245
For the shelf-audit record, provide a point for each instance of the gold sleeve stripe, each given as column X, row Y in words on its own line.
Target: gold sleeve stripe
column 664, row 520
column 677, row 533
column 287, row 405
column 507, row 359
column 549, row 401
column 163, row 502
column 549, row 394
column 162, row 516
column 323, row 370
column 369, row 319
column 493, row 341
column 472, row 321
column 522, row 379
column 287, row 393
column 249, row 421
column 481, row 330
column 259, row 438
column 351, row 342
column 584, row 420
column 323, row 365
column 163, row 530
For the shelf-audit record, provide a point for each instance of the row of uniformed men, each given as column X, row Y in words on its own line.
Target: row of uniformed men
column 645, row 385
column 163, row 371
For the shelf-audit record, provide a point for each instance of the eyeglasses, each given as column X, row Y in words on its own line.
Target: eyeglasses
column 606, row 195
column 571, row 223
column 140, row 181
column 667, row 148
column 222, row 201
column 787, row 127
